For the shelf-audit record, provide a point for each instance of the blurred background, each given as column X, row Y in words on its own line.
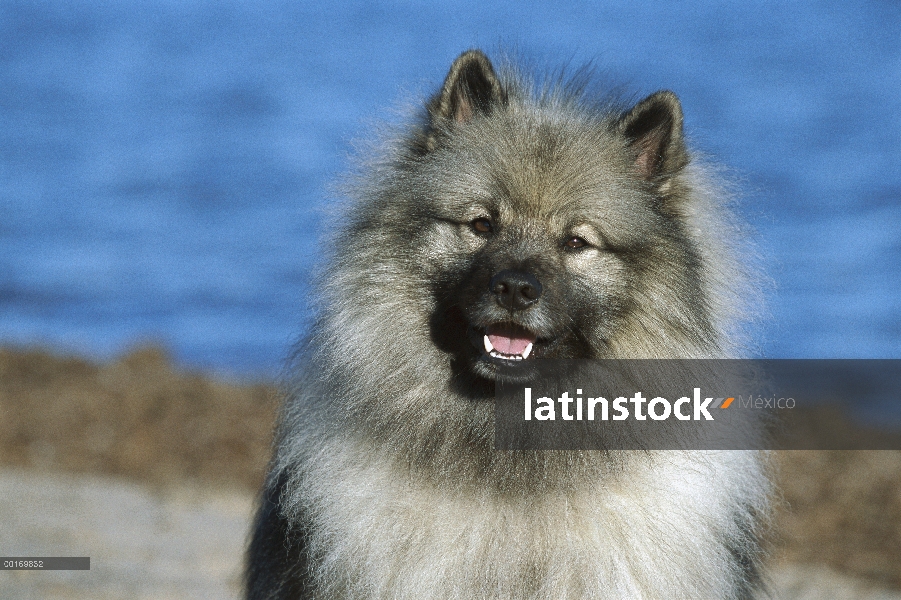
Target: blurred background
column 164, row 173
column 164, row 165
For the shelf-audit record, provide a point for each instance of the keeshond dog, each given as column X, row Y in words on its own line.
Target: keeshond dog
column 512, row 221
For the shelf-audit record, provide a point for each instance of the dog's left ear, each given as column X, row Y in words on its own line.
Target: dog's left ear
column 470, row 88
column 654, row 129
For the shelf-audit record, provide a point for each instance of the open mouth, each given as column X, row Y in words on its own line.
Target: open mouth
column 508, row 342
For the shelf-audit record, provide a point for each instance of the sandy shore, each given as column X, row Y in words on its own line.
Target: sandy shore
column 182, row 542
column 186, row 541
column 152, row 472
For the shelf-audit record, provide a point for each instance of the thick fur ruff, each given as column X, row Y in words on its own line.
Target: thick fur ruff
column 385, row 482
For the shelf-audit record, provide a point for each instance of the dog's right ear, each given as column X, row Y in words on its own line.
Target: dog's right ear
column 471, row 88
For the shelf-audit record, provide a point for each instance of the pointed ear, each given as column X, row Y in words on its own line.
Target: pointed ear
column 471, row 88
column 654, row 129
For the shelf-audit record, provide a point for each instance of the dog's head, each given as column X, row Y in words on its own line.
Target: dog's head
column 513, row 224
column 547, row 227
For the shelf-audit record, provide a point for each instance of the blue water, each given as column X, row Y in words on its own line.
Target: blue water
column 164, row 165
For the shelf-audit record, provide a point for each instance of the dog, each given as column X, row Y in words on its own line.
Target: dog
column 509, row 222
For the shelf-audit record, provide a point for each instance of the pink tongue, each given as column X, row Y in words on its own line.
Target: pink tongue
column 508, row 340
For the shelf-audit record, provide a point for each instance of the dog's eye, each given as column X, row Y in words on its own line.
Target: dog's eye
column 575, row 243
column 482, row 225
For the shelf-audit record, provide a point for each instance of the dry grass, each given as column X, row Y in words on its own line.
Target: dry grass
column 136, row 417
column 842, row 509
column 140, row 418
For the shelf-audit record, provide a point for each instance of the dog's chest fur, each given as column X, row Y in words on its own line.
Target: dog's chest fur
column 661, row 533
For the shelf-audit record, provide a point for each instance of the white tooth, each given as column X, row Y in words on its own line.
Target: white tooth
column 518, row 357
column 488, row 347
column 525, row 353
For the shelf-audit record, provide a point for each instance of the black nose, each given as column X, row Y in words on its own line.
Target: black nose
column 515, row 290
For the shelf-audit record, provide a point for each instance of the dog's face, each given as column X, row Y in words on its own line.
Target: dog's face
column 535, row 227
column 522, row 267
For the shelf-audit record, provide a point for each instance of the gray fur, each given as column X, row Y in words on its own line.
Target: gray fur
column 385, row 483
